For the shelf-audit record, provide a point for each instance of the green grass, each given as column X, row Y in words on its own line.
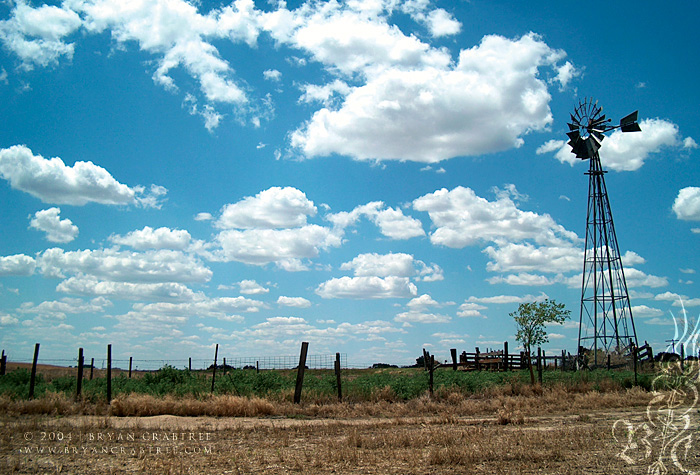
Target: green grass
column 393, row 384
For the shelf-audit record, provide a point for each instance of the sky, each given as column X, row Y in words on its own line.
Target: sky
column 374, row 177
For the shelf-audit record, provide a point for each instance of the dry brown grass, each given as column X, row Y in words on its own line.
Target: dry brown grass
column 511, row 405
column 219, row 406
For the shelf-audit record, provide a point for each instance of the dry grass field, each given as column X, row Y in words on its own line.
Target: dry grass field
column 546, row 431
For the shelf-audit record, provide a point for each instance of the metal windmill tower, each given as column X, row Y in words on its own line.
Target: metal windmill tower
column 606, row 321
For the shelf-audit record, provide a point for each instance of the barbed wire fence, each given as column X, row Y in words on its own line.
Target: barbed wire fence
column 319, row 361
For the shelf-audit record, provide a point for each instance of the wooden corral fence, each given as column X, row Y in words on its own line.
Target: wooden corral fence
column 502, row 360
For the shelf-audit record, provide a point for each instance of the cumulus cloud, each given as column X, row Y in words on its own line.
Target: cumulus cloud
column 282, row 246
column 471, row 309
column 272, row 208
column 414, row 316
column 149, row 238
column 154, row 292
column 525, row 257
column 367, row 287
column 392, row 222
column 507, row 299
column 687, row 204
column 624, row 151
column 36, row 35
column 297, row 302
column 486, row 103
column 124, row 266
column 250, row 287
column 56, row 229
column 18, row 264
column 392, row 264
column 461, row 218
column 52, row 181
column 66, row 305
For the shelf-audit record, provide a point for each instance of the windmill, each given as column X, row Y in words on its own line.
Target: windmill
column 606, row 321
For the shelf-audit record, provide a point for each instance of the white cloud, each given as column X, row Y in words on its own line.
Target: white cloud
column 392, row 222
column 154, row 292
column 525, row 278
column 462, row 218
column 56, row 229
column 624, row 151
column 124, row 266
column 471, row 309
column 203, row 217
column 282, row 246
column 250, row 287
column 36, row 35
column 367, row 287
column 422, row 302
column 414, row 316
column 392, row 264
column 52, row 181
column 272, row 208
column 381, row 265
column 297, row 302
column 177, row 34
column 525, row 257
column 149, row 238
column 441, row 23
column 566, row 73
column 644, row 311
column 272, row 75
column 428, row 113
column 7, row 320
column 507, row 299
column 631, row 258
column 18, row 264
column 66, row 305
column 687, row 204
column 637, row 278
column 325, row 93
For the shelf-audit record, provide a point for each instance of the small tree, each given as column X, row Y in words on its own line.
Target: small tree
column 531, row 319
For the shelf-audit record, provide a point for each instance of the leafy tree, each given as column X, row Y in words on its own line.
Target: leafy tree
column 531, row 320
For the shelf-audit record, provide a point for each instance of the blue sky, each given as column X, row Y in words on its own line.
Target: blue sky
column 374, row 177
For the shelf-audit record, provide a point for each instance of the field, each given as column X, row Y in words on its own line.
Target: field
column 388, row 423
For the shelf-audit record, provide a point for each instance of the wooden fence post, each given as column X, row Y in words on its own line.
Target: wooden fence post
column 426, row 359
column 224, row 366
column 634, row 358
column 453, row 353
column 300, row 372
column 92, row 367
column 539, row 364
column 131, row 359
column 33, row 376
column 213, row 374
column 476, row 359
column 257, row 367
column 608, row 361
column 109, row 373
column 430, row 378
column 563, row 360
column 682, row 357
column 3, row 363
column 544, row 361
column 505, row 356
column 337, row 377
column 189, row 364
column 79, row 384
